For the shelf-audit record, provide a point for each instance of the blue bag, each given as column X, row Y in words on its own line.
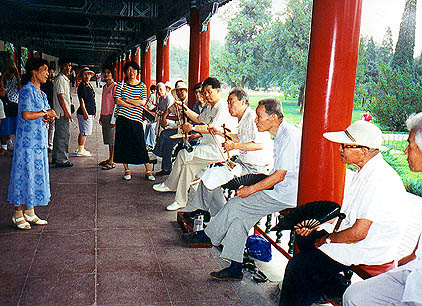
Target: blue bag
column 259, row 248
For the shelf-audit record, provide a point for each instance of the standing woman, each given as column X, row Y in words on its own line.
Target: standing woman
column 130, row 148
column 29, row 184
column 12, row 84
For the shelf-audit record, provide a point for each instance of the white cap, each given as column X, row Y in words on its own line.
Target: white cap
column 360, row 133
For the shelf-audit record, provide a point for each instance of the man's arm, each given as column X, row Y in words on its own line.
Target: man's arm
column 268, row 182
column 62, row 103
column 410, row 257
column 246, row 146
column 190, row 113
column 82, row 104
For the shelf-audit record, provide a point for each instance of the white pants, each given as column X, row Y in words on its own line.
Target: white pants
column 381, row 290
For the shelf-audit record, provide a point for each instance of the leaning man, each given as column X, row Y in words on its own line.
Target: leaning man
column 233, row 222
column 403, row 285
column 371, row 230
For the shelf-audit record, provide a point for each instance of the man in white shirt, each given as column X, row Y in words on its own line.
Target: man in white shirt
column 255, row 156
column 62, row 107
column 403, row 285
column 369, row 234
column 189, row 164
column 233, row 222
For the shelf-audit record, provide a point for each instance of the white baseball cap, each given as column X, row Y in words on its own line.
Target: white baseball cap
column 360, row 133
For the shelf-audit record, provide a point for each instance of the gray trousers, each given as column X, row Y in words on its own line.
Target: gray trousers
column 384, row 289
column 51, row 129
column 236, row 218
column 182, row 174
column 60, row 153
column 213, row 200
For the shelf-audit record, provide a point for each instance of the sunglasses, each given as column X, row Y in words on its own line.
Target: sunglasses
column 346, row 146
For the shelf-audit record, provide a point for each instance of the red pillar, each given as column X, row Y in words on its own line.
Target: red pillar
column 136, row 58
column 205, row 53
column 118, row 69
column 145, row 51
column 194, row 55
column 122, row 66
column 329, row 93
column 163, row 58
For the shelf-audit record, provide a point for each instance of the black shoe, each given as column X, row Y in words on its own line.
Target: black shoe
column 226, row 274
column 193, row 214
column 195, row 240
column 162, row 172
column 67, row 164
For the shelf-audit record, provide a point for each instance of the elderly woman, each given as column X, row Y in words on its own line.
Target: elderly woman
column 29, row 184
column 129, row 146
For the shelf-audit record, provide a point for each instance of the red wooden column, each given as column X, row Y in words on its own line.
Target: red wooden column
column 135, row 57
column 194, row 55
column 145, row 51
column 122, row 72
column 204, row 37
column 118, row 69
column 329, row 93
column 163, row 57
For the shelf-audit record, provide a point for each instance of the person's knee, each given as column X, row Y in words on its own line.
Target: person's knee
column 352, row 295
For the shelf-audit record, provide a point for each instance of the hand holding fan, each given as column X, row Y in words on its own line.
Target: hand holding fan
column 244, row 180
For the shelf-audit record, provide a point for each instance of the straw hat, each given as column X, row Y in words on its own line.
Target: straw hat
column 360, row 133
column 180, row 85
column 86, row 69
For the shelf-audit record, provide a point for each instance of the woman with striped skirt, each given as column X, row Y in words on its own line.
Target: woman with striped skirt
column 130, row 148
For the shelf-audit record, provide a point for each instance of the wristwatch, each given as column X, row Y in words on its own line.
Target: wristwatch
column 328, row 240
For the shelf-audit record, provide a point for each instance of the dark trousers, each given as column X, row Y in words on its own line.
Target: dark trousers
column 308, row 273
column 164, row 148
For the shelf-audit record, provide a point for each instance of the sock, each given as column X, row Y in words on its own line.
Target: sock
column 80, row 148
column 4, row 146
column 235, row 267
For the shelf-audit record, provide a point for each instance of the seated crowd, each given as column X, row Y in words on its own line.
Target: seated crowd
column 211, row 144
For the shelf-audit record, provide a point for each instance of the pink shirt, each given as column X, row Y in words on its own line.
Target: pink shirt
column 107, row 101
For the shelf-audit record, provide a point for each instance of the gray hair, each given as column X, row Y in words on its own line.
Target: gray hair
column 415, row 123
column 160, row 84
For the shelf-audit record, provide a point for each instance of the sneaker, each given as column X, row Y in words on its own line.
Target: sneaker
column 197, row 240
column 199, row 212
column 175, row 206
column 162, row 187
column 127, row 176
column 67, row 164
column 227, row 274
column 83, row 153
column 149, row 177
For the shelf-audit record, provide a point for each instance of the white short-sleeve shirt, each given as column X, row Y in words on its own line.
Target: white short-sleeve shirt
column 376, row 194
column 286, row 157
column 248, row 132
column 61, row 85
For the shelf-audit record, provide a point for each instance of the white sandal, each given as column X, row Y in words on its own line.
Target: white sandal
column 35, row 220
column 23, row 226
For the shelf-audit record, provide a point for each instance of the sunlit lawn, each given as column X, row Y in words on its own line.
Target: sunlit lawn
column 290, row 107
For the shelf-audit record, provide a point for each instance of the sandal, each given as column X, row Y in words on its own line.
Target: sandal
column 109, row 166
column 127, row 175
column 35, row 220
column 21, row 225
column 104, row 163
column 149, row 177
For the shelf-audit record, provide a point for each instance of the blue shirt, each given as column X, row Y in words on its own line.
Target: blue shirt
column 31, row 134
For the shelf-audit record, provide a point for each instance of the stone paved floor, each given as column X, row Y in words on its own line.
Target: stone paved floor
column 108, row 242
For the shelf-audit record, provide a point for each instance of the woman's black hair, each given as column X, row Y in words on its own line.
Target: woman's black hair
column 32, row 64
column 132, row 64
column 109, row 67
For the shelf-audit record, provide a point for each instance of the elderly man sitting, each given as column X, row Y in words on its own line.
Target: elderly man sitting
column 403, row 285
column 371, row 230
column 255, row 156
column 239, row 215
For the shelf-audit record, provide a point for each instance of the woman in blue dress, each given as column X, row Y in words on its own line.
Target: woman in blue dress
column 29, row 184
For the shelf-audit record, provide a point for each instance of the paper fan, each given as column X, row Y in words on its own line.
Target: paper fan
column 309, row 215
column 244, row 180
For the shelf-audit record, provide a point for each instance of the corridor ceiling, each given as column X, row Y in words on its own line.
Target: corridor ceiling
column 92, row 31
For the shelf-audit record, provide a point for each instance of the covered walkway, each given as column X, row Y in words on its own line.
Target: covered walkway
column 109, row 242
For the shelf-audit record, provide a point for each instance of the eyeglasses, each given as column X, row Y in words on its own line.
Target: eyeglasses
column 346, row 146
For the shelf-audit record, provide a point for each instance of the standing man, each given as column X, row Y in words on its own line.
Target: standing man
column 188, row 165
column 62, row 103
column 400, row 286
column 47, row 88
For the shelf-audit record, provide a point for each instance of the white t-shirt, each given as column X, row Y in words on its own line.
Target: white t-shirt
column 375, row 193
column 215, row 116
column 248, row 132
column 286, row 157
column 61, row 85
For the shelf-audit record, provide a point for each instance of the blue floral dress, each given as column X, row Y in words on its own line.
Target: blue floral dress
column 29, row 178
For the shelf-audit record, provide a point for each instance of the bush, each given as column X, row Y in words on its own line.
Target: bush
column 396, row 95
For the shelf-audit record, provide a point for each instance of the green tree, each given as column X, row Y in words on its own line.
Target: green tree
column 371, row 65
column 240, row 62
column 405, row 46
column 386, row 48
column 179, row 62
